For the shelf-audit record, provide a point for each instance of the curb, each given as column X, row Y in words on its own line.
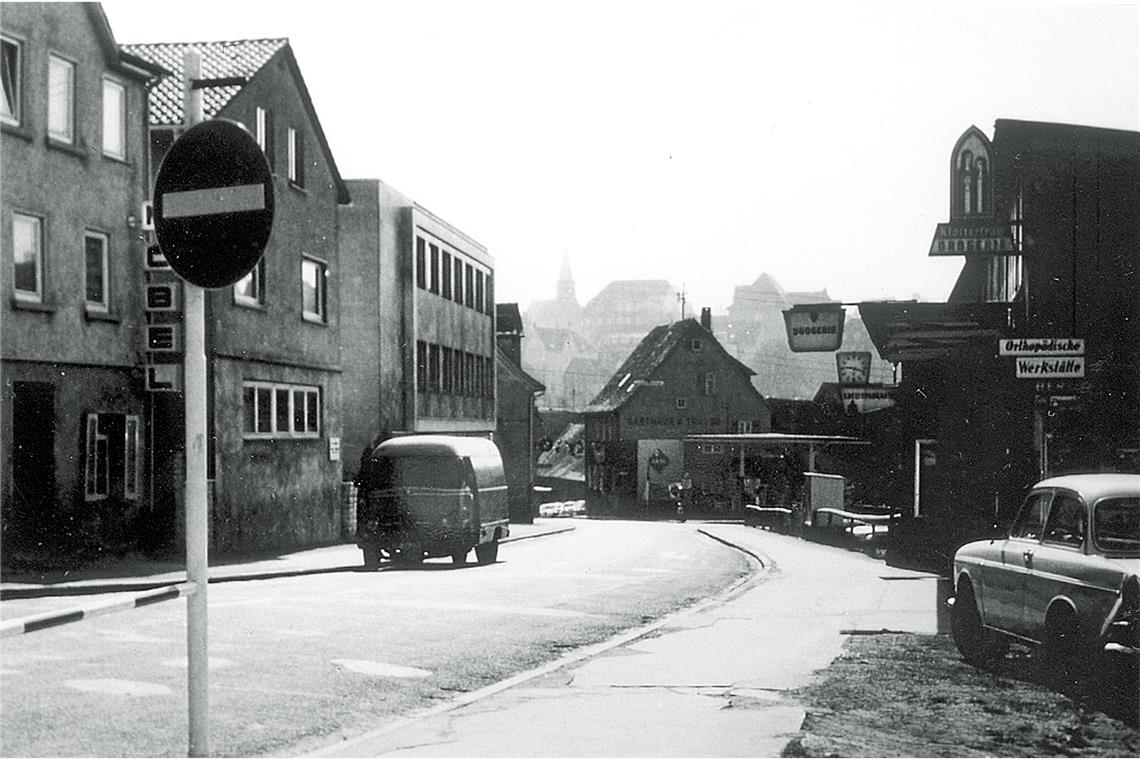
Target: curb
column 92, row 589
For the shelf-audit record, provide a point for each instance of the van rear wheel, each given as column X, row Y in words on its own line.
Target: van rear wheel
column 459, row 558
column 487, row 553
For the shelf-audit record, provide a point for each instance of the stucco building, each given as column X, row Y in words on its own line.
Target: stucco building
column 273, row 346
column 73, row 145
column 678, row 381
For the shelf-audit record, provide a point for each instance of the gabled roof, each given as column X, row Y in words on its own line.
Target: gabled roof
column 117, row 57
column 649, row 355
column 503, row 364
column 231, row 63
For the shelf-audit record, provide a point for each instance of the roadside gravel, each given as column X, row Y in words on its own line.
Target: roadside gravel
column 903, row 695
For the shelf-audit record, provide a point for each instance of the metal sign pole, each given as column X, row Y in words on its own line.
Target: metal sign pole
column 197, row 558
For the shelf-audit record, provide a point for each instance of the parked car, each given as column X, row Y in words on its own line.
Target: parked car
column 1065, row 578
column 431, row 496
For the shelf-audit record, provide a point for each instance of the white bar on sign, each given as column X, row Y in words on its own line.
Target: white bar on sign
column 213, row 200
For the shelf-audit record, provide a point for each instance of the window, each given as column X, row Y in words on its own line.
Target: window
column 490, row 295
column 1066, row 523
column 433, row 269
column 744, row 426
column 277, row 410
column 448, row 369
column 421, row 365
column 250, row 290
column 114, row 119
column 469, row 287
column 61, row 99
column 263, row 126
column 710, row 384
column 12, row 73
column 95, row 261
column 27, row 257
column 433, row 379
column 421, row 263
column 111, row 456
column 313, row 289
column 695, row 344
column 480, row 305
column 1116, row 524
column 296, row 157
column 1030, row 520
column 682, row 403
column 445, row 270
column 457, row 292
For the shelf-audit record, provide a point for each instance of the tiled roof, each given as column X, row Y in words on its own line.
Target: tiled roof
column 647, row 357
column 220, row 60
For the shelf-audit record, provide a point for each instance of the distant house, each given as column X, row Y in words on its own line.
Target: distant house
column 562, row 468
column 517, row 424
column 76, row 425
column 273, row 343
column 678, row 381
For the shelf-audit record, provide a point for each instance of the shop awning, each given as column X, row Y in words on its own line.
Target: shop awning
column 912, row 331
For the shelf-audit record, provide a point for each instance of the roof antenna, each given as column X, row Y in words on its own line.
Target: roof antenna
column 681, row 298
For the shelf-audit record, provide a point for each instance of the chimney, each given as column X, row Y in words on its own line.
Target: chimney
column 706, row 318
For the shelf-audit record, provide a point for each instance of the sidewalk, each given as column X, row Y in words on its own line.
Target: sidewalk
column 134, row 574
column 717, row 680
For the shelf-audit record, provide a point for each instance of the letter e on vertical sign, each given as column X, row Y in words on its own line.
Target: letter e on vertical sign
column 162, row 338
column 161, row 297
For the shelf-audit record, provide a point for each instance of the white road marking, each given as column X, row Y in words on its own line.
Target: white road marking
column 383, row 669
column 132, row 637
column 120, row 688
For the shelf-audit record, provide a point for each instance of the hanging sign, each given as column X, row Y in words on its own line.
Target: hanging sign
column 815, row 327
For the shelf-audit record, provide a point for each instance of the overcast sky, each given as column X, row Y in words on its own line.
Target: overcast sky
column 699, row 142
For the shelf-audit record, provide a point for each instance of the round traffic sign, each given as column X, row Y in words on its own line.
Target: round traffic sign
column 213, row 204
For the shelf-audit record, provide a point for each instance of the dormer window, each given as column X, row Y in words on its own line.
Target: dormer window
column 695, row 344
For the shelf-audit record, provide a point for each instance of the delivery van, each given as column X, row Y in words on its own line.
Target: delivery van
column 423, row 496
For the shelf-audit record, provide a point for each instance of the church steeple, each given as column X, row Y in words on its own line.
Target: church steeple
column 565, row 291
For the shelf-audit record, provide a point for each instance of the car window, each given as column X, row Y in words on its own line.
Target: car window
column 1031, row 520
column 1066, row 523
column 1116, row 525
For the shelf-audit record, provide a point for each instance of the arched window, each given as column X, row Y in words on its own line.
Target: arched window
column 971, row 192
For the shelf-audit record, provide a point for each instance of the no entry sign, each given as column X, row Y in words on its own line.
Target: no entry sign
column 213, row 204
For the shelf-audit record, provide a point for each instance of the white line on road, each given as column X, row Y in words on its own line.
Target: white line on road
column 383, row 669
column 120, row 688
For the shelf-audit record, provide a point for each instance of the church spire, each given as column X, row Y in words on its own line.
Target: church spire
column 565, row 291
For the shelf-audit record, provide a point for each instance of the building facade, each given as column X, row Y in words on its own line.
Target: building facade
column 422, row 326
column 517, row 429
column 273, row 346
column 74, row 152
column 678, row 381
column 1032, row 365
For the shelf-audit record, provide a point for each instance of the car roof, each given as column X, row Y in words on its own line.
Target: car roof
column 437, row 445
column 1096, row 485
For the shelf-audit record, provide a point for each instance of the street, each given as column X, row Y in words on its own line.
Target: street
column 308, row 659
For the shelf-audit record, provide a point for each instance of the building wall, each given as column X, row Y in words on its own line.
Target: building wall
column 515, row 436
column 90, row 357
column 443, row 322
column 374, row 289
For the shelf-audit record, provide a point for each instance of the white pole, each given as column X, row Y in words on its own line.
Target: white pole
column 197, row 558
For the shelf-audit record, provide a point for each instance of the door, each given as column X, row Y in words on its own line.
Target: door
column 1004, row 583
column 1058, row 563
column 33, row 461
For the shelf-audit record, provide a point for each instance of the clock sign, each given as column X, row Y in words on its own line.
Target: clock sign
column 853, row 367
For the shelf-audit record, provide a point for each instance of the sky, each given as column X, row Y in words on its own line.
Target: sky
column 702, row 142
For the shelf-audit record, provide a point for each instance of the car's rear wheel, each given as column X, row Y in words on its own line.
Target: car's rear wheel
column 459, row 558
column 979, row 645
column 371, row 558
column 487, row 553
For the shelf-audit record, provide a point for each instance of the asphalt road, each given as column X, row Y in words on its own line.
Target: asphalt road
column 298, row 662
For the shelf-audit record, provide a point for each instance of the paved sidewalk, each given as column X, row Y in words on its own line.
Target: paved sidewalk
column 716, row 680
column 141, row 574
